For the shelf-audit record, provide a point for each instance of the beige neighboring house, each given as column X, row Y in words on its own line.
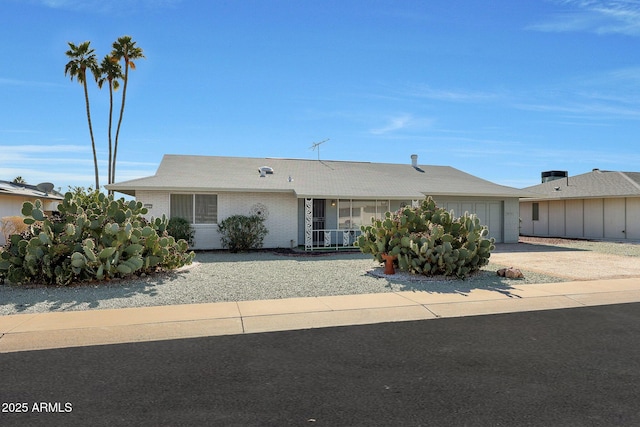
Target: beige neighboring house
column 313, row 203
column 13, row 195
column 595, row 205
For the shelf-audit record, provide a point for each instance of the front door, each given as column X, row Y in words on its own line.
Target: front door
column 318, row 221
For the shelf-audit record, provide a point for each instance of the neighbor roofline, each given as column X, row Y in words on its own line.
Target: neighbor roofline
column 547, row 198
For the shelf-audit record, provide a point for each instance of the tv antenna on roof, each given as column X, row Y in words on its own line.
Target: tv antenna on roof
column 317, row 145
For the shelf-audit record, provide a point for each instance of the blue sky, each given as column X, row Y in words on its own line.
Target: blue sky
column 502, row 92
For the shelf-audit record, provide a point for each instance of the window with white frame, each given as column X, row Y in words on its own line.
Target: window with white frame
column 196, row 208
column 535, row 211
column 355, row 213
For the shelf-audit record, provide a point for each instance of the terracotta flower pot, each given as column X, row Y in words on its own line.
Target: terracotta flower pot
column 388, row 263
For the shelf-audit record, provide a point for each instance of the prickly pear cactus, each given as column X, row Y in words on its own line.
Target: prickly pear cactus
column 91, row 237
column 429, row 240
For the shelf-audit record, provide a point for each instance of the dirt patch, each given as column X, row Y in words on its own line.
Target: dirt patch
column 540, row 255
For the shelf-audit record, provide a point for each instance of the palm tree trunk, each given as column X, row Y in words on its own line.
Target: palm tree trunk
column 93, row 142
column 109, row 177
column 124, row 96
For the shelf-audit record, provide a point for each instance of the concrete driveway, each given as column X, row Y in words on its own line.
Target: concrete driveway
column 570, row 263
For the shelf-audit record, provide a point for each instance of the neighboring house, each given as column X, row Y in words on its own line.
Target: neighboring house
column 315, row 203
column 13, row 195
column 594, row 205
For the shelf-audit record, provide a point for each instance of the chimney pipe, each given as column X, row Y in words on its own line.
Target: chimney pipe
column 414, row 160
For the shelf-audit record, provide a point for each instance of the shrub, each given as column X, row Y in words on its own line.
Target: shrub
column 241, row 233
column 429, row 240
column 92, row 237
column 180, row 228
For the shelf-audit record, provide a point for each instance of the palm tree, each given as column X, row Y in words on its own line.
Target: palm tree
column 18, row 180
column 124, row 48
column 83, row 58
column 110, row 72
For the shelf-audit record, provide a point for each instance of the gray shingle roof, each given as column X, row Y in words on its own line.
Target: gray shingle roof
column 593, row 184
column 313, row 178
column 14, row 189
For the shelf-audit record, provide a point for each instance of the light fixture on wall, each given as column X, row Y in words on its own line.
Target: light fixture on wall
column 333, row 203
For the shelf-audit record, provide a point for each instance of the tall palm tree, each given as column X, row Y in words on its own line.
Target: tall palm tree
column 111, row 73
column 124, row 48
column 83, row 58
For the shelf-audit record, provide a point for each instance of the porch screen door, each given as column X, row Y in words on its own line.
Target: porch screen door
column 318, row 221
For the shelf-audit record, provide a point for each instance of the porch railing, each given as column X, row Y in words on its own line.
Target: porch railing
column 332, row 239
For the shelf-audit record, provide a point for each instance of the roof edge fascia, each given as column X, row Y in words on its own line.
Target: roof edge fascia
column 200, row 190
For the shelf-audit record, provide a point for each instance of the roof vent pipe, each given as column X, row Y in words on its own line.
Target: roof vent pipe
column 414, row 160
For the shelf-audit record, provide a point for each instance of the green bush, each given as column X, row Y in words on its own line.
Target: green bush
column 180, row 228
column 92, row 237
column 429, row 240
column 242, row 233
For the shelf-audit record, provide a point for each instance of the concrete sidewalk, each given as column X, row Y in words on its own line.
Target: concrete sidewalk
column 23, row 332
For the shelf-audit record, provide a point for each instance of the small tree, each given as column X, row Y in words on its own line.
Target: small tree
column 241, row 233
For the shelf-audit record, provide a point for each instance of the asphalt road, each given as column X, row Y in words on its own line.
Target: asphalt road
column 574, row 367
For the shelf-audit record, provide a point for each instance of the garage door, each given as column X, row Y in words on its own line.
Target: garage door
column 489, row 213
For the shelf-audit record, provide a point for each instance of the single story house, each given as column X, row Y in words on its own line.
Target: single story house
column 13, row 195
column 315, row 203
column 595, row 205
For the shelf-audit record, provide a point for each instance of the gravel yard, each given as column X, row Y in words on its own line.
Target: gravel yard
column 221, row 276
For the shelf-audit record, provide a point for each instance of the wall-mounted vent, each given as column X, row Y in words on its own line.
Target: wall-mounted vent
column 265, row 170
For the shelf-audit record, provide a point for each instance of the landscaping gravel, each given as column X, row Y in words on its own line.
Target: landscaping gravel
column 221, row 276
column 612, row 248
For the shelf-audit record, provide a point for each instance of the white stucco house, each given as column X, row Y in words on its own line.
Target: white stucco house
column 595, row 205
column 313, row 203
column 13, row 195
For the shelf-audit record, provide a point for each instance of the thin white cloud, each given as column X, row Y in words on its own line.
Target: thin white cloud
column 401, row 122
column 601, row 97
column 584, row 109
column 394, row 124
column 16, row 82
column 106, row 6
column 458, row 95
column 7, row 149
column 597, row 16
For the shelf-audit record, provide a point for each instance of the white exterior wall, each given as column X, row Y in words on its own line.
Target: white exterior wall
column 9, row 206
column 614, row 219
column 574, row 211
column 12, row 206
column 282, row 221
column 632, row 220
column 501, row 216
column 593, row 218
column 541, row 226
column 556, row 218
column 511, row 221
column 156, row 202
column 610, row 219
column 526, row 221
